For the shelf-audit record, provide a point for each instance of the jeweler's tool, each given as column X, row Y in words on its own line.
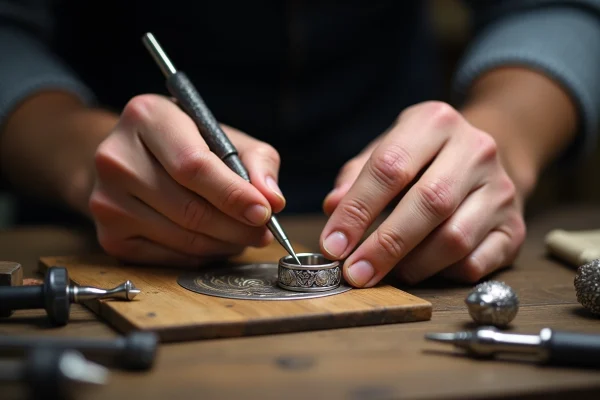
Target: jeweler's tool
column 135, row 351
column 551, row 347
column 52, row 374
column 56, row 295
column 192, row 103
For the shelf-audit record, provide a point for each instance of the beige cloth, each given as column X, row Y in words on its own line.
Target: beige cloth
column 574, row 247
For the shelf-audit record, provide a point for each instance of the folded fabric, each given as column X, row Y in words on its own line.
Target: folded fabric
column 574, row 247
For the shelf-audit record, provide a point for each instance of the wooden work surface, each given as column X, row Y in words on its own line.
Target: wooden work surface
column 387, row 361
column 178, row 314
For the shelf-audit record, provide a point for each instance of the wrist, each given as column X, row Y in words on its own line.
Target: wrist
column 531, row 117
column 48, row 146
column 88, row 127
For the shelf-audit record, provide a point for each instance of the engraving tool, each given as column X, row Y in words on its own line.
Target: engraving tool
column 192, row 103
column 549, row 346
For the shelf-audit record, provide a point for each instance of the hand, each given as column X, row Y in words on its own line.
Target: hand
column 161, row 196
column 460, row 213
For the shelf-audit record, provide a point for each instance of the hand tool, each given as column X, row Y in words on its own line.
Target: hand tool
column 56, row 295
column 550, row 346
column 11, row 275
column 135, row 351
column 192, row 103
column 52, row 374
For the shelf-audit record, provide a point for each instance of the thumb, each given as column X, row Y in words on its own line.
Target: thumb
column 262, row 162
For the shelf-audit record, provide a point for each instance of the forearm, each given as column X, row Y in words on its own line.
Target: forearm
column 47, row 147
column 531, row 117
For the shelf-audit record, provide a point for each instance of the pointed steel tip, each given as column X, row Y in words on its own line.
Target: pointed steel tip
column 296, row 258
column 131, row 290
column 441, row 337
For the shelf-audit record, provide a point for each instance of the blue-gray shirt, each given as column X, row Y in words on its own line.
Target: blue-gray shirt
column 317, row 80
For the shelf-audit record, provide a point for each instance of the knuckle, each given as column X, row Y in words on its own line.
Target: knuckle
column 390, row 243
column 108, row 164
column 103, row 208
column 519, row 230
column 196, row 214
column 191, row 163
column 441, row 114
column 486, row 148
column 460, row 239
column 390, row 167
column 268, row 152
column 232, row 196
column 139, row 108
column 508, row 191
column 436, row 198
column 103, row 156
column 356, row 213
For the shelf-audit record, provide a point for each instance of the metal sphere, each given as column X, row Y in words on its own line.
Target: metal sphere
column 492, row 303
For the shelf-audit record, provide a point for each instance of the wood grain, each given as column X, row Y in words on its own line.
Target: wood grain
column 177, row 314
column 390, row 361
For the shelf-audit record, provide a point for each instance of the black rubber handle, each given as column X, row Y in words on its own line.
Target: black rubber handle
column 192, row 103
column 21, row 297
column 576, row 349
column 136, row 351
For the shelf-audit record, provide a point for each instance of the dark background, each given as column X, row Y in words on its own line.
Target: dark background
column 558, row 185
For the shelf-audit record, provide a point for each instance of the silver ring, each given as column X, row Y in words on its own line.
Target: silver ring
column 315, row 274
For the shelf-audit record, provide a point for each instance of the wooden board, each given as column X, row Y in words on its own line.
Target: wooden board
column 177, row 314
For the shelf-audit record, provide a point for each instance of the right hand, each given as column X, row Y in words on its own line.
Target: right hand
column 162, row 197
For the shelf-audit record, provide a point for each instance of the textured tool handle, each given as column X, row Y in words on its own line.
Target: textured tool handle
column 21, row 297
column 192, row 103
column 577, row 349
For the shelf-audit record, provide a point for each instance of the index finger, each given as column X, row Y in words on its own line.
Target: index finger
column 173, row 138
column 393, row 165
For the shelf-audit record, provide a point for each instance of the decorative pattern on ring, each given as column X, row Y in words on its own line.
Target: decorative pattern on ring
column 302, row 278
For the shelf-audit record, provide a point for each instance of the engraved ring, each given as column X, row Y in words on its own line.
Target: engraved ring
column 315, row 274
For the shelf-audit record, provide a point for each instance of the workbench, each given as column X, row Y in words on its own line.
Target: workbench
column 386, row 361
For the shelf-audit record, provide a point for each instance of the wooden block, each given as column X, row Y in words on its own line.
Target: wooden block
column 11, row 274
column 177, row 314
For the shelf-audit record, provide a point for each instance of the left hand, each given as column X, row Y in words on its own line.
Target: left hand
column 461, row 216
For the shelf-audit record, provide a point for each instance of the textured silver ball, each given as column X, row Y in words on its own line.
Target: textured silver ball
column 587, row 286
column 492, row 303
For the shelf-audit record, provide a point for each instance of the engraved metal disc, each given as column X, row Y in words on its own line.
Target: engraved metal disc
column 246, row 282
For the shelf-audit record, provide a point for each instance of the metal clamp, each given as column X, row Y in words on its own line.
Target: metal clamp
column 315, row 274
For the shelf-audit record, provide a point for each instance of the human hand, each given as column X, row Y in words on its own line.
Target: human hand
column 161, row 196
column 460, row 213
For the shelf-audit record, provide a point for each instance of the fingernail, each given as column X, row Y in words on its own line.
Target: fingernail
column 257, row 214
column 335, row 244
column 360, row 273
column 274, row 187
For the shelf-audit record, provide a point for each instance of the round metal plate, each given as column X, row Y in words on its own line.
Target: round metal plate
column 246, row 282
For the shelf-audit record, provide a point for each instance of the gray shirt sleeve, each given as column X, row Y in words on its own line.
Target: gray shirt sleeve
column 27, row 64
column 559, row 38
